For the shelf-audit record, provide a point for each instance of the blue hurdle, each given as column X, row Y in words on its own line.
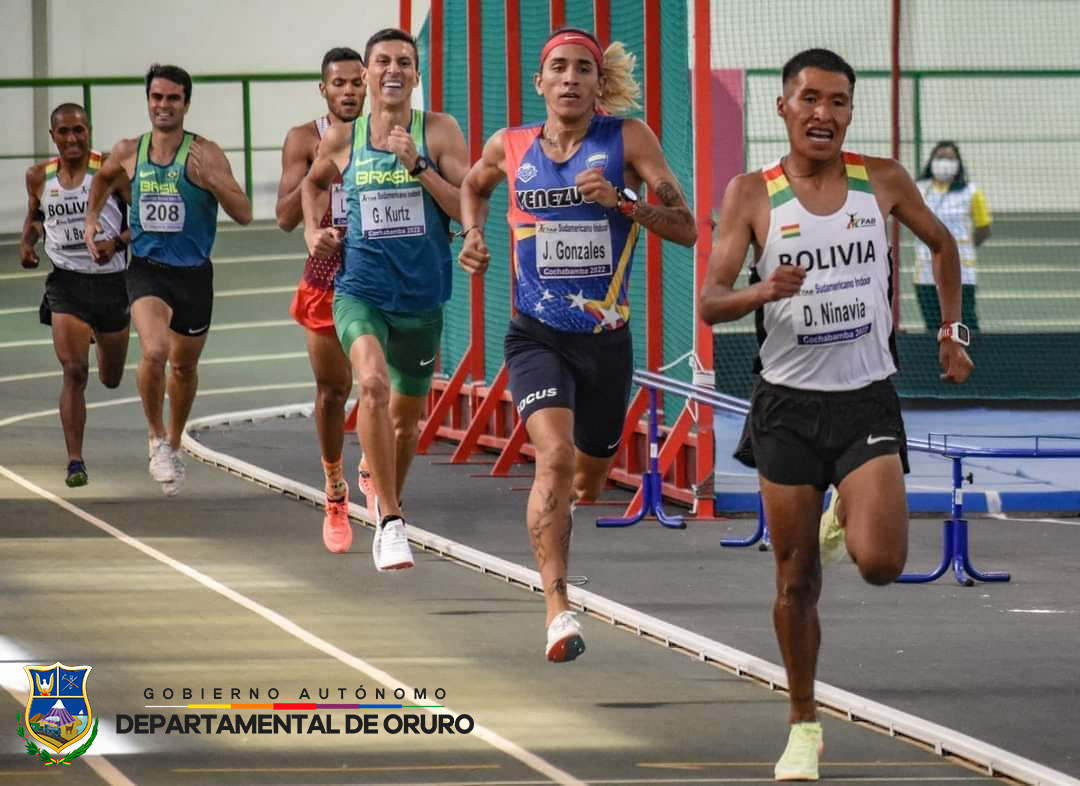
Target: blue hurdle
column 956, row 545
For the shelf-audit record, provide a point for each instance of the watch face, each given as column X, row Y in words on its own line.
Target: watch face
column 955, row 331
column 629, row 194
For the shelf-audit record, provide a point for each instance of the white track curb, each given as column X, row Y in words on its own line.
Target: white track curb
column 944, row 741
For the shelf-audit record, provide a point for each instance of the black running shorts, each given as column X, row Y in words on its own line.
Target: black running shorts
column 815, row 438
column 98, row 299
column 588, row 373
column 189, row 291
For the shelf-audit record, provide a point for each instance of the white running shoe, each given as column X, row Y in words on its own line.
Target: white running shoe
column 564, row 641
column 376, row 543
column 162, row 468
column 172, row 487
column 391, row 547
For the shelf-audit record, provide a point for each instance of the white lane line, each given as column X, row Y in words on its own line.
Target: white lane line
column 20, row 310
column 237, row 260
column 116, row 402
column 1006, row 517
column 13, row 680
column 217, row 294
column 271, row 323
column 225, row 361
column 497, row 741
column 297, row 257
column 225, row 227
column 254, row 291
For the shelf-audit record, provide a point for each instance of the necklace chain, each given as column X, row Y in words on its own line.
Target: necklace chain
column 555, row 142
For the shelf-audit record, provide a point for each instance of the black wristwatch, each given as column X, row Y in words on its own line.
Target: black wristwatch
column 422, row 163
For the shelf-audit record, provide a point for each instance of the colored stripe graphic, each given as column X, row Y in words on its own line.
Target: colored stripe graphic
column 776, row 183
column 285, row 706
column 858, row 179
column 790, row 230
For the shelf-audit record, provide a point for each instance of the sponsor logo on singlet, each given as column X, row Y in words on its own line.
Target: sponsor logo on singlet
column 855, row 222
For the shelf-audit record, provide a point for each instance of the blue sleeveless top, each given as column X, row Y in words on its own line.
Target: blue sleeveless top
column 572, row 258
column 397, row 240
column 173, row 221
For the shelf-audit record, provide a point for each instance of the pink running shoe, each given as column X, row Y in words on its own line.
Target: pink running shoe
column 336, row 529
column 363, row 480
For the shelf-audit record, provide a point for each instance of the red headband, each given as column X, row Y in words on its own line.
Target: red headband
column 574, row 38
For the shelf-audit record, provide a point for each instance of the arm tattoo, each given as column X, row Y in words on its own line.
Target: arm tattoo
column 668, row 194
column 671, row 218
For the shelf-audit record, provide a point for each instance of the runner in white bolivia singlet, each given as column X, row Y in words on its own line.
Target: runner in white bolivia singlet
column 836, row 333
column 824, row 410
column 85, row 294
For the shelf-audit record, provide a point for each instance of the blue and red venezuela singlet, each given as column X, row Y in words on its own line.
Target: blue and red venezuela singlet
column 571, row 257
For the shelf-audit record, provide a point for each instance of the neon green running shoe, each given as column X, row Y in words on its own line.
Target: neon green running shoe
column 831, row 536
column 800, row 759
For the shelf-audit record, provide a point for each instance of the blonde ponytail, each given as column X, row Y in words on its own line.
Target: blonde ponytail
column 621, row 91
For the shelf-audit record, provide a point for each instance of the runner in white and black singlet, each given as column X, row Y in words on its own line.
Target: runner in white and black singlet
column 85, row 294
column 824, row 410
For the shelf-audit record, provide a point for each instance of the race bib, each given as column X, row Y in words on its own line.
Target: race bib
column 573, row 249
column 339, row 211
column 834, row 311
column 161, row 212
column 393, row 213
column 71, row 232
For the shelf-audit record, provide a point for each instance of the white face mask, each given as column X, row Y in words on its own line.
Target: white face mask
column 944, row 169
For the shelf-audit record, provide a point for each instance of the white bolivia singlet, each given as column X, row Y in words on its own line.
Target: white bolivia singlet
column 65, row 215
column 835, row 334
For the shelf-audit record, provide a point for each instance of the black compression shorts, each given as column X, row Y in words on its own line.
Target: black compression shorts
column 588, row 373
column 189, row 292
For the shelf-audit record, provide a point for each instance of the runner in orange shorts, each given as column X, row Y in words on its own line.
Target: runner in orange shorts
column 343, row 88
